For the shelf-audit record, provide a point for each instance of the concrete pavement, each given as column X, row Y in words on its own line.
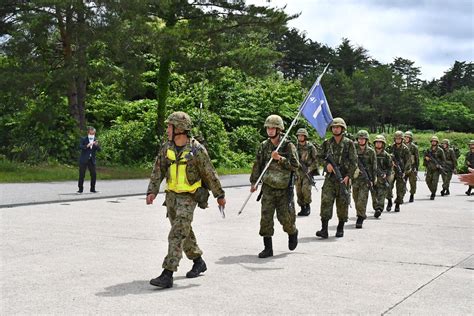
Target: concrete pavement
column 97, row 256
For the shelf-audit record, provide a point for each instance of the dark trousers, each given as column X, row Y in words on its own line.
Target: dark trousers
column 82, row 173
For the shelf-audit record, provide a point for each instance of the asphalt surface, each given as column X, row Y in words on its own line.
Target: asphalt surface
column 96, row 256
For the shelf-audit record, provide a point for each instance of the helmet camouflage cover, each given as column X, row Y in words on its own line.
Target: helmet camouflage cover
column 302, row 131
column 180, row 120
column 380, row 138
column 409, row 134
column 445, row 141
column 398, row 134
column 274, row 121
column 338, row 121
column 363, row 134
column 435, row 138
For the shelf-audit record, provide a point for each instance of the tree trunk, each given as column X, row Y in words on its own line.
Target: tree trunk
column 163, row 78
column 81, row 72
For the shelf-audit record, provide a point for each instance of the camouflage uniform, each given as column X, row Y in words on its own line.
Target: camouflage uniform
column 432, row 170
column 415, row 162
column 360, row 186
column 180, row 206
column 469, row 161
column 309, row 162
column 381, row 187
column 450, row 166
column 399, row 153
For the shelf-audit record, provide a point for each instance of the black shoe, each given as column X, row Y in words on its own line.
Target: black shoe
column 359, row 221
column 432, row 196
column 397, row 207
column 377, row 213
column 306, row 210
column 165, row 280
column 412, row 198
column 293, row 241
column 199, row 266
column 268, row 250
column 468, row 192
column 340, row 230
column 94, row 191
column 79, row 191
column 301, row 212
column 323, row 233
column 442, row 192
column 389, row 205
column 446, row 192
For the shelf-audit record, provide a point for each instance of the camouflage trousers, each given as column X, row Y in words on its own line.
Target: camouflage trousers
column 303, row 190
column 379, row 193
column 360, row 194
column 276, row 200
column 412, row 180
column 330, row 192
column 180, row 209
column 431, row 179
column 447, row 179
column 401, row 188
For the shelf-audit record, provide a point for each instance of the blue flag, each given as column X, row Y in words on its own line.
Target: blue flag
column 316, row 111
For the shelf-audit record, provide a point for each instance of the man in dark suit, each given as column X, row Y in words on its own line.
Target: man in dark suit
column 89, row 146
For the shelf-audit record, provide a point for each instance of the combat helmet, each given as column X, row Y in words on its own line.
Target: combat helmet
column 471, row 142
column 445, row 141
column 398, row 134
column 434, row 138
column 338, row 121
column 363, row 134
column 408, row 134
column 302, row 131
column 180, row 120
column 274, row 121
column 380, row 138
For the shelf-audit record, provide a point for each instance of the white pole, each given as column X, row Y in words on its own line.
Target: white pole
column 286, row 135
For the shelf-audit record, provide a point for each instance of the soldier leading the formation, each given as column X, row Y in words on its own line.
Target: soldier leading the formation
column 304, row 175
column 433, row 161
column 189, row 173
column 412, row 175
column 277, row 188
column 384, row 172
column 364, row 176
column 340, row 163
column 451, row 165
column 401, row 164
column 470, row 163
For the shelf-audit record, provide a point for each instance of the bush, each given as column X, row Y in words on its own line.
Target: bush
column 245, row 139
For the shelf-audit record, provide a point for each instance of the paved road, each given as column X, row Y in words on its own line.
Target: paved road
column 97, row 256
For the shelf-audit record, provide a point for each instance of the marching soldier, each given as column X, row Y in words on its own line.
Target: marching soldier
column 470, row 162
column 401, row 164
column 364, row 176
column 415, row 162
column 304, row 175
column 434, row 161
column 277, row 188
column 384, row 171
column 451, row 164
column 189, row 172
column 340, row 158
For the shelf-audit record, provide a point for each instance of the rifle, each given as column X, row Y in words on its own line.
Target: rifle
column 291, row 193
column 381, row 174
column 365, row 174
column 436, row 162
column 304, row 168
column 337, row 173
column 398, row 167
column 414, row 171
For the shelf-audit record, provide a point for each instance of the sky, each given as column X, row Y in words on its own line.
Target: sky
column 432, row 33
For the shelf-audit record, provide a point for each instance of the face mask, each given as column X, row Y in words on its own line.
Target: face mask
column 91, row 136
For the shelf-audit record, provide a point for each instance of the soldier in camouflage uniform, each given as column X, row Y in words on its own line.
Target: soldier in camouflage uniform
column 304, row 175
column 470, row 163
column 189, row 172
column 433, row 161
column 411, row 176
column 401, row 163
column 364, row 176
column 277, row 188
column 384, row 171
column 344, row 154
column 450, row 166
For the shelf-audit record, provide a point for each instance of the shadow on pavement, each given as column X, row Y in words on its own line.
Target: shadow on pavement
column 249, row 259
column 140, row 287
column 306, row 240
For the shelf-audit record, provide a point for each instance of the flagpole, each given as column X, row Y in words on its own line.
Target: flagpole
column 285, row 136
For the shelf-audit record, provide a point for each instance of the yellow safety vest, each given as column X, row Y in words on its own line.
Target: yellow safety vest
column 178, row 181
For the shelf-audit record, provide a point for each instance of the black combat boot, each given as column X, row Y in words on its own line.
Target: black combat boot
column 468, row 192
column 389, row 205
column 446, row 192
column 268, row 250
column 432, row 196
column 377, row 213
column 397, row 207
column 323, row 233
column 199, row 266
column 412, row 198
column 293, row 240
column 359, row 221
column 164, row 280
column 340, row 229
column 306, row 210
column 301, row 213
column 442, row 192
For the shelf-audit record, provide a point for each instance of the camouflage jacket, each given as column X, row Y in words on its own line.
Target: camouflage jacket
column 384, row 164
column 344, row 154
column 451, row 160
column 438, row 154
column 401, row 154
column 368, row 161
column 279, row 173
column 414, row 156
column 199, row 167
column 308, row 156
column 469, row 161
